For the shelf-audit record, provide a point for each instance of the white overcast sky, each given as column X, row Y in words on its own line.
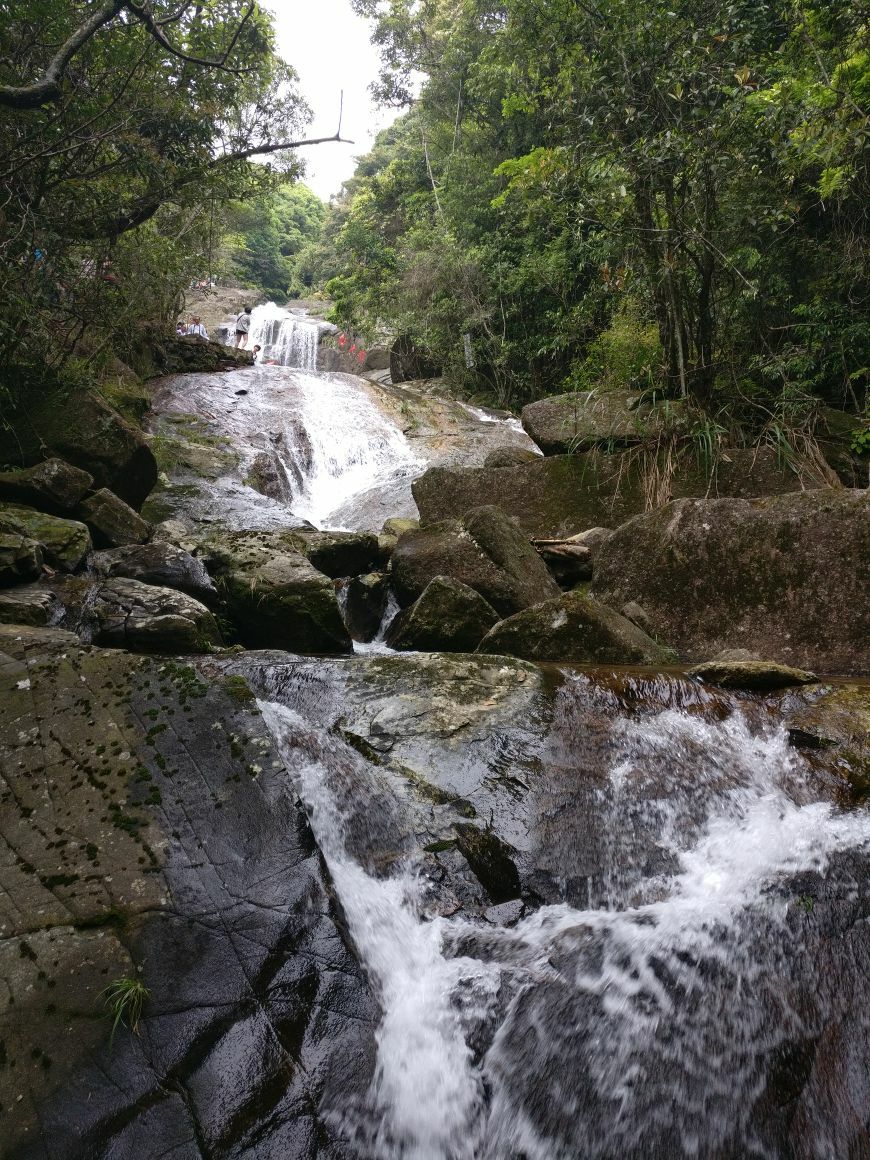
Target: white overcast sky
column 330, row 48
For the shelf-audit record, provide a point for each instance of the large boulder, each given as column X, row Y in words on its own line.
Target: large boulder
column 32, row 604
column 159, row 563
column 486, row 551
column 85, row 431
column 580, row 420
column 112, row 521
column 65, row 543
column 274, row 597
column 338, row 554
column 20, row 559
column 448, row 617
column 364, row 603
column 558, row 496
column 575, row 629
column 785, row 576
column 145, row 618
column 51, row 486
column 155, row 835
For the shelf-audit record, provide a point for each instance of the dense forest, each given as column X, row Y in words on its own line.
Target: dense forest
column 133, row 135
column 624, row 192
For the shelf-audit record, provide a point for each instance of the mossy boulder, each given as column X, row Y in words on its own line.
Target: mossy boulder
column 337, row 554
column 81, row 428
column 833, row 721
column 758, row 676
column 50, row 486
column 785, row 575
column 146, row 618
column 273, row 595
column 65, row 543
column 575, row 629
column 510, row 456
column 486, row 552
column 32, row 604
column 557, row 496
column 112, row 521
column 580, row 420
column 448, row 617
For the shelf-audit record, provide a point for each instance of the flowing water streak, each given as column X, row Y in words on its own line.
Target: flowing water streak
column 287, row 339
column 629, row 1022
column 346, row 447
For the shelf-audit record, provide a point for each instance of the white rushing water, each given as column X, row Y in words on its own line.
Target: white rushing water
column 285, row 338
column 656, row 1012
column 341, row 445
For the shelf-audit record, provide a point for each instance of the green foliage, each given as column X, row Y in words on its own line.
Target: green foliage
column 860, row 442
column 125, row 1000
column 626, row 192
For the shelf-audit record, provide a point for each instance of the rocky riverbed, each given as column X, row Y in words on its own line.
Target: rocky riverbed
column 362, row 737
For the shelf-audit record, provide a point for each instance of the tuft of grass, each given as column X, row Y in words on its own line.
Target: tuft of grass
column 124, row 999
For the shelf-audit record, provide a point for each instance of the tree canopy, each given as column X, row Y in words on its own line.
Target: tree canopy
column 662, row 194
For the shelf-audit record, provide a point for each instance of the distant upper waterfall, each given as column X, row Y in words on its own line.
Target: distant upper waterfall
column 286, row 339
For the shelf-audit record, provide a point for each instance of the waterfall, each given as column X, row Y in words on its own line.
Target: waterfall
column 286, row 339
column 638, row 1024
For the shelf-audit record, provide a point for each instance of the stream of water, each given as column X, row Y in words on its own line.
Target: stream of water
column 641, row 1023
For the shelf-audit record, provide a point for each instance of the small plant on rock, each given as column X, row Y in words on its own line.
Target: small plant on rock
column 124, row 1000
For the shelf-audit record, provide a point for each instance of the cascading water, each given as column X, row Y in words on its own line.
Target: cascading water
column 286, row 339
column 644, row 1014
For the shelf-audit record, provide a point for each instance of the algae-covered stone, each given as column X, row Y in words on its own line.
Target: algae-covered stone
column 65, row 543
column 755, row 675
column 396, row 526
column 448, row 617
column 112, row 521
column 583, row 419
column 557, row 496
column 785, row 575
column 83, row 430
column 146, row 618
column 834, row 719
column 20, row 559
column 510, row 456
column 575, row 629
column 159, row 563
column 501, row 564
column 53, row 485
column 274, row 597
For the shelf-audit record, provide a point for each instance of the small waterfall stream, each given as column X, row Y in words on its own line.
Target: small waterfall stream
column 286, row 339
column 640, row 1023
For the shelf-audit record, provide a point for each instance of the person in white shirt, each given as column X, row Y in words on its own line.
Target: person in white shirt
column 243, row 325
column 196, row 327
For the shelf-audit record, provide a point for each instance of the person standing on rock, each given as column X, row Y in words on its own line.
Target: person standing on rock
column 243, row 325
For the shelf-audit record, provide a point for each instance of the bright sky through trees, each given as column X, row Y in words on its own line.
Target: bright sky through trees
column 329, row 46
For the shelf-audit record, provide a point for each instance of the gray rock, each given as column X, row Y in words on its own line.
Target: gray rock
column 509, row 456
column 31, row 604
column 20, row 559
column 146, row 618
column 584, row 419
column 112, row 521
column 52, row 486
column 162, row 564
column 574, row 629
column 65, row 543
column 337, row 554
column 636, row 614
column 396, row 526
column 506, row 913
column 570, row 563
column 785, row 575
column 448, row 617
column 273, row 595
column 487, row 552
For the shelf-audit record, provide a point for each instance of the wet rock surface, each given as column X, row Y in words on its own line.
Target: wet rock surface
column 173, row 852
column 750, row 674
column 113, row 522
column 785, row 575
